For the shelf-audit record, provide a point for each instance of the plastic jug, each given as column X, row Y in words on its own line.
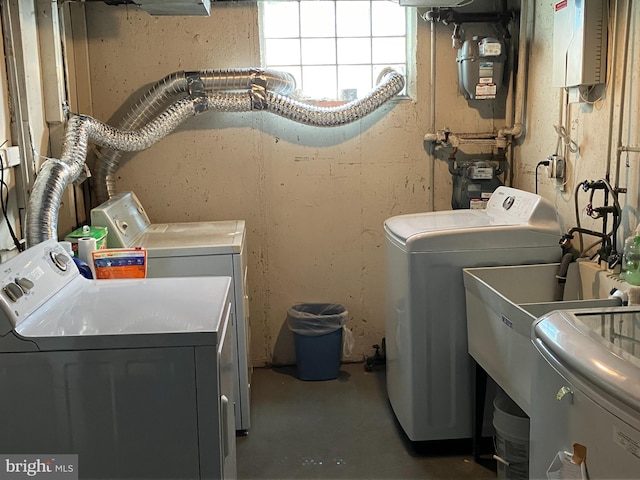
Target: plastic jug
column 631, row 261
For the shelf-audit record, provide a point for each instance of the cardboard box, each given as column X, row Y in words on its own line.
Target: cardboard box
column 99, row 233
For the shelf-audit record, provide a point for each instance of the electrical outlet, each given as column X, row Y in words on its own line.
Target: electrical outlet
column 556, row 167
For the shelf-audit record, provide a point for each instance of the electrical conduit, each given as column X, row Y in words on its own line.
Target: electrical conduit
column 623, row 80
column 526, row 26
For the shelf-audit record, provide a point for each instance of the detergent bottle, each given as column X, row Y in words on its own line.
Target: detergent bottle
column 631, row 261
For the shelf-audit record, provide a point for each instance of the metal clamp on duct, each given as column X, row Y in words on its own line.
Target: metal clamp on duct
column 258, row 97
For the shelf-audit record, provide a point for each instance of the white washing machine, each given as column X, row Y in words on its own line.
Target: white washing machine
column 133, row 376
column 428, row 368
column 190, row 250
column 587, row 386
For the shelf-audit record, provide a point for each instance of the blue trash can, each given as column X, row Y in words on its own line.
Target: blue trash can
column 317, row 330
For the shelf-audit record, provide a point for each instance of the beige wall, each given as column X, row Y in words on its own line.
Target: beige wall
column 314, row 199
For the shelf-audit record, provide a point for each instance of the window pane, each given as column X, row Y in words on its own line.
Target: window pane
column 389, row 50
column 333, row 48
column 353, row 19
column 319, row 82
column 354, row 50
column 280, row 20
column 317, row 19
column 318, row 51
column 388, row 19
column 352, row 77
column 282, row 52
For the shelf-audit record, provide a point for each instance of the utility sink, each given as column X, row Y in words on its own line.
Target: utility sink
column 503, row 303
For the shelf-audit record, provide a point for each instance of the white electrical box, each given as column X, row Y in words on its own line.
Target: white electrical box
column 176, row 7
column 9, row 156
column 579, row 42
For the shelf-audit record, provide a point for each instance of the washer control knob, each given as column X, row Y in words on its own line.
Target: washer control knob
column 122, row 226
column 25, row 284
column 508, row 202
column 13, row 291
column 60, row 260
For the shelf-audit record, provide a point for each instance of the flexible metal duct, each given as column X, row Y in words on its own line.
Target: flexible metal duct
column 56, row 175
column 390, row 83
column 173, row 86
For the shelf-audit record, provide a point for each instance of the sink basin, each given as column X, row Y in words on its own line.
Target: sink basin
column 502, row 304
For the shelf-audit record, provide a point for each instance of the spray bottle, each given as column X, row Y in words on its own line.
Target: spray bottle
column 631, row 261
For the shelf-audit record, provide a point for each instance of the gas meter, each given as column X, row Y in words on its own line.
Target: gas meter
column 473, row 184
column 480, row 68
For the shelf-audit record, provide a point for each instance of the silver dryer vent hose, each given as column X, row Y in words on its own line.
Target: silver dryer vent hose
column 390, row 83
column 56, row 175
column 176, row 85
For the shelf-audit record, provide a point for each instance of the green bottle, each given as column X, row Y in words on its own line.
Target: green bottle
column 631, row 262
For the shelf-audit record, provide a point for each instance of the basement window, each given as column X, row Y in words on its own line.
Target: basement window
column 335, row 49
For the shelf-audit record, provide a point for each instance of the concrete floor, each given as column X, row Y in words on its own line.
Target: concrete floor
column 341, row 428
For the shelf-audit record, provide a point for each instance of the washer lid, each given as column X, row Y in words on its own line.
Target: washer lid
column 597, row 348
column 89, row 308
column 512, row 219
column 403, row 227
column 459, row 230
column 193, row 238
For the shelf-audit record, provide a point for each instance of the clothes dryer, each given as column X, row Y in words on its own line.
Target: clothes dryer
column 190, row 250
column 428, row 367
column 133, row 376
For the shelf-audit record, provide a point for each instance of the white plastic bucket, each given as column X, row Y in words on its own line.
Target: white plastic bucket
column 512, row 439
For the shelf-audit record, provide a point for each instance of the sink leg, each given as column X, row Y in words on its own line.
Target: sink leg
column 479, row 378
